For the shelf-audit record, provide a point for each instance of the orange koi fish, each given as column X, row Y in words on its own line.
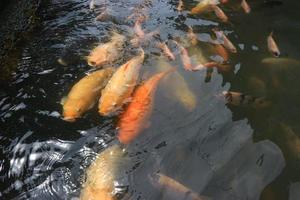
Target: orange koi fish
column 166, row 50
column 102, row 173
column 272, row 46
column 83, row 94
column 220, row 50
column 172, row 189
column 108, row 52
column 245, row 6
column 120, row 86
column 225, row 41
column 220, row 14
column 134, row 119
column 203, row 6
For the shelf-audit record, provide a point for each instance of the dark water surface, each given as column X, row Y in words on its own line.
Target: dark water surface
column 219, row 151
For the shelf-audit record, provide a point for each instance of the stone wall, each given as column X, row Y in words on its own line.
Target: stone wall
column 17, row 17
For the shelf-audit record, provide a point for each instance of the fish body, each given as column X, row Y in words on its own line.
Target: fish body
column 172, row 189
column 220, row 14
column 180, row 5
column 272, row 46
column 84, row 94
column 92, row 5
column 120, row 86
column 237, row 99
column 203, row 6
column 134, row 119
column 138, row 29
column 102, row 173
column 185, row 58
column 166, row 50
column 245, row 6
column 220, row 50
column 176, row 87
column 192, row 36
column 225, row 41
column 282, row 62
column 108, row 52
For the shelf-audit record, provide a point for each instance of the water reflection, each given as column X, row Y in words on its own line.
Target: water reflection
column 193, row 138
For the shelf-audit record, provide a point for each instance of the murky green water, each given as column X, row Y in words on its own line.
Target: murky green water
column 216, row 149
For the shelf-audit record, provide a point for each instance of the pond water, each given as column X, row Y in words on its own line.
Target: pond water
column 216, row 149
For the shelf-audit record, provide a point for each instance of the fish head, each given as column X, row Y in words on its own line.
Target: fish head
column 71, row 113
column 95, row 60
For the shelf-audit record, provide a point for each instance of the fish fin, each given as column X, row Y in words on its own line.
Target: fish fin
column 126, row 66
column 63, row 100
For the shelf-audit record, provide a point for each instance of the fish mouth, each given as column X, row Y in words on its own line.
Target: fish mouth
column 69, row 119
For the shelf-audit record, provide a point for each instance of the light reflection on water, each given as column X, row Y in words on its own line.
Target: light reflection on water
column 209, row 149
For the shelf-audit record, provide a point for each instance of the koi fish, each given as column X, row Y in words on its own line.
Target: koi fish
column 185, row 58
column 236, row 99
column 92, row 5
column 134, row 119
column 176, row 87
column 138, row 41
column 292, row 141
column 219, row 13
column 120, row 86
column 204, row 5
column 192, row 36
column 224, row 1
column 172, row 189
column 281, row 62
column 180, row 5
column 84, row 93
column 102, row 173
column 220, row 50
column 225, row 41
column 138, row 29
column 165, row 49
column 108, row 52
column 272, row 46
column 245, row 6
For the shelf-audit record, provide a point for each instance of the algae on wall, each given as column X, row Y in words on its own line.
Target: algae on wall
column 16, row 19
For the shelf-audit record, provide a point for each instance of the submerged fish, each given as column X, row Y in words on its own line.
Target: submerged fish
column 221, row 51
column 225, row 41
column 120, row 86
column 180, row 5
column 204, row 5
column 219, row 13
column 192, row 36
column 92, row 5
column 245, row 6
column 108, row 52
column 292, row 141
column 135, row 117
column 102, row 173
column 84, row 94
column 237, row 99
column 185, row 58
column 282, row 62
column 172, row 189
column 166, row 50
column 272, row 46
column 176, row 87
